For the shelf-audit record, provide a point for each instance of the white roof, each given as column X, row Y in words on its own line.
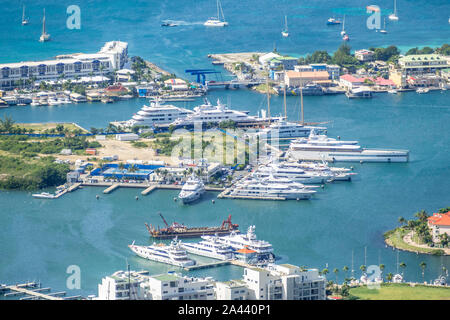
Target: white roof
column 267, row 57
column 125, row 71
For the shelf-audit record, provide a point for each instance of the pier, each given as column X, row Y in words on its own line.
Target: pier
column 148, row 190
column 111, row 188
column 33, row 291
column 207, row 265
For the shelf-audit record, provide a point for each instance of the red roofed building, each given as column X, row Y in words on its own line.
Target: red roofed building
column 245, row 254
column 439, row 223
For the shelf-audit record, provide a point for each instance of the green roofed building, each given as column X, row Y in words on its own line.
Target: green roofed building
column 418, row 64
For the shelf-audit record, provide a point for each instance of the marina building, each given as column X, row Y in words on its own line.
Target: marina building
column 122, row 285
column 422, row 63
column 332, row 69
column 283, row 63
column 112, row 56
column 297, row 79
column 439, row 223
column 231, row 290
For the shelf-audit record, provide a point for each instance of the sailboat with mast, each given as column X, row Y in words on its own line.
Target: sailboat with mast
column 343, row 27
column 44, row 36
column 397, row 278
column 216, row 21
column 383, row 31
column 394, row 15
column 285, row 32
column 24, row 20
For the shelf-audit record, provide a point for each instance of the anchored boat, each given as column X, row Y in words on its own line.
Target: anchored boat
column 181, row 231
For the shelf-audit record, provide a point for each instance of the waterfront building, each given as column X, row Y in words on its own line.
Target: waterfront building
column 364, row 55
column 122, row 285
column 284, row 282
column 349, row 81
column 439, row 223
column 265, row 58
column 283, row 62
column 124, row 75
column 172, row 286
column 296, row 79
column 176, row 84
column 231, row 290
column 332, row 69
column 424, row 80
column 418, row 64
column 113, row 55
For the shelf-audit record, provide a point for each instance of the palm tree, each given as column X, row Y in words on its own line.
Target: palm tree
column 389, row 276
column 336, row 271
column 363, row 268
column 345, row 269
column 325, row 271
column 381, row 266
column 423, row 265
column 401, row 220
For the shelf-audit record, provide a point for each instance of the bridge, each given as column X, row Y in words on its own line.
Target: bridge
column 234, row 83
column 201, row 74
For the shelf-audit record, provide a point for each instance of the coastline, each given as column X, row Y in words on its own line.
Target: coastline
column 395, row 239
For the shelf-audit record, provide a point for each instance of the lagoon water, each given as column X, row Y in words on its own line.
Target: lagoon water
column 39, row 239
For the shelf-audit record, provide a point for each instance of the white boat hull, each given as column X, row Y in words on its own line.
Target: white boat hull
column 203, row 253
column 366, row 155
column 153, row 257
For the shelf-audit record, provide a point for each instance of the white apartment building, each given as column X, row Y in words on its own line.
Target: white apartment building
column 112, row 56
column 122, row 285
column 332, row 69
column 364, row 55
column 231, row 290
column 284, row 282
column 175, row 287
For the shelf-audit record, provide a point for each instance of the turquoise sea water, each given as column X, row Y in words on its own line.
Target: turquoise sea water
column 39, row 239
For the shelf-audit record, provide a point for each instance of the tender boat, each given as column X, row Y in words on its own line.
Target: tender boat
column 172, row 254
column 192, row 190
column 43, row 195
column 422, row 90
column 333, row 21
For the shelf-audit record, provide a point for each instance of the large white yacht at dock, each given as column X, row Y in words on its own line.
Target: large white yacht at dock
column 172, row 254
column 270, row 189
column 321, row 147
column 206, row 113
column 156, row 113
column 238, row 241
column 210, row 248
column 192, row 190
column 337, row 174
column 280, row 170
column 282, row 129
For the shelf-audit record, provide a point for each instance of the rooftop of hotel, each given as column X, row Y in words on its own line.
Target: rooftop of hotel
column 440, row 219
column 306, row 74
column 422, row 57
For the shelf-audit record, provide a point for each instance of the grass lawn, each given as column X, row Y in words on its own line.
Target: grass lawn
column 401, row 292
column 395, row 238
column 40, row 127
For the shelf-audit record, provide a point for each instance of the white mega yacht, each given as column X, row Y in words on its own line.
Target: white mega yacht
column 208, row 113
column 321, row 147
column 237, row 241
column 172, row 254
column 216, row 21
column 192, row 189
column 280, row 170
column 155, row 113
column 210, row 248
column 270, row 189
column 284, row 130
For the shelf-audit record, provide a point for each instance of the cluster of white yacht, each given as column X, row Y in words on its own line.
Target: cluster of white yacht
column 288, row 180
column 217, row 247
column 321, row 147
column 50, row 99
column 158, row 114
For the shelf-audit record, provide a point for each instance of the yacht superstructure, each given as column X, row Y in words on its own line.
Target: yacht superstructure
column 208, row 113
column 321, row 147
column 295, row 174
column 173, row 254
column 283, row 129
column 237, row 241
column 156, row 113
column 210, row 248
column 192, row 190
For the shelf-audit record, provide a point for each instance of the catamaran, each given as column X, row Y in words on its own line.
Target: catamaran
column 285, row 32
column 394, row 16
column 24, row 20
column 215, row 21
column 44, row 36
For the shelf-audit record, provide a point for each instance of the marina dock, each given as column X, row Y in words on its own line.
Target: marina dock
column 207, row 265
column 33, row 291
column 111, row 188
